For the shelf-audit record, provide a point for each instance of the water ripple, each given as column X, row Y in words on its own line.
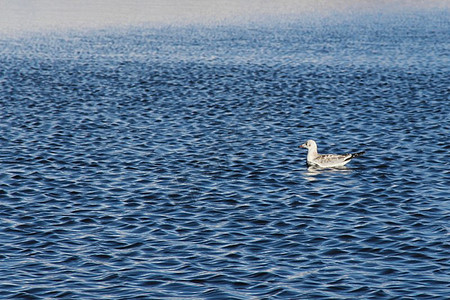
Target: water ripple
column 141, row 170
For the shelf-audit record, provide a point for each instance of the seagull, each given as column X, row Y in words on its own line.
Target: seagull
column 314, row 159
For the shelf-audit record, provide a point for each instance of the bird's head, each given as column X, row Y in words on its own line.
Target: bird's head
column 310, row 144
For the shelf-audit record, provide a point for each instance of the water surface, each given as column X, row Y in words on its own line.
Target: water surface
column 163, row 162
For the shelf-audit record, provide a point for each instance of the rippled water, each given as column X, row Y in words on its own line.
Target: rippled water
column 157, row 163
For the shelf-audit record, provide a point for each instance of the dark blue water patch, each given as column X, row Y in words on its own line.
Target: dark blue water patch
column 164, row 163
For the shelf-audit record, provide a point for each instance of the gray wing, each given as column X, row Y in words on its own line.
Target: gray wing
column 329, row 159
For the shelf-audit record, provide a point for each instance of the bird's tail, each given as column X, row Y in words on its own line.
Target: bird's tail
column 356, row 155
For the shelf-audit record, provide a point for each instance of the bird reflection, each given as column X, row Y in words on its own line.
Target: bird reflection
column 312, row 172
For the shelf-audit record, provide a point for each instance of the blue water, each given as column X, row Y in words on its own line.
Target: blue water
column 163, row 162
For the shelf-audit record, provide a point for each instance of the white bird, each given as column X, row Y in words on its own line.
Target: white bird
column 314, row 159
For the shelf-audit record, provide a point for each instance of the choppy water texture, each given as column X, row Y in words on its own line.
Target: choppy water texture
column 157, row 163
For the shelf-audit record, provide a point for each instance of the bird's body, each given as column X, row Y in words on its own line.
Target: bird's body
column 314, row 159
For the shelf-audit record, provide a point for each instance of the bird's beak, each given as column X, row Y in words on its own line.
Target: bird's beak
column 302, row 146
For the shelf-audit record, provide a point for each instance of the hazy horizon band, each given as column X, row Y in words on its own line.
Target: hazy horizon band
column 23, row 16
